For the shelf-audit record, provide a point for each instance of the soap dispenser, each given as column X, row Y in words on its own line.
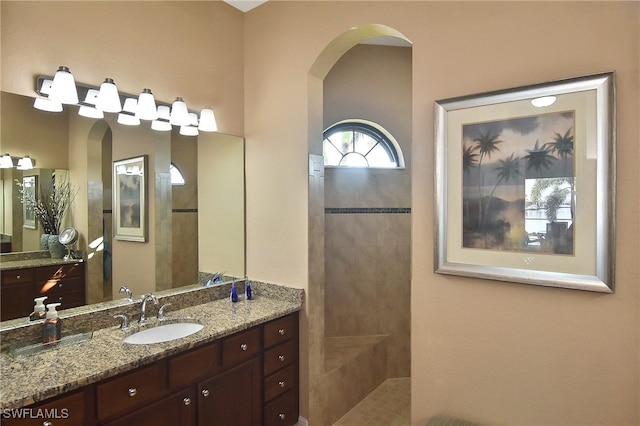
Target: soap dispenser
column 52, row 330
column 234, row 293
column 248, row 293
column 38, row 310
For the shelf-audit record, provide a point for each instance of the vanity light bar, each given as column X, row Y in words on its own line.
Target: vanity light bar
column 107, row 98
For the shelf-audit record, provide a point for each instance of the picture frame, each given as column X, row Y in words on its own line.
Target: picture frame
column 30, row 188
column 130, row 213
column 524, row 193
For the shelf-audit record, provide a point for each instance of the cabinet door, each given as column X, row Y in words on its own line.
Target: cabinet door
column 175, row 410
column 18, row 291
column 68, row 410
column 231, row 398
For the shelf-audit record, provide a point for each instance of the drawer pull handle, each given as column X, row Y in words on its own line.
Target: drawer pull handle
column 205, row 392
column 281, row 383
column 18, row 277
column 281, row 358
column 133, row 391
column 281, row 331
column 282, row 416
column 243, row 346
column 47, row 423
column 187, row 401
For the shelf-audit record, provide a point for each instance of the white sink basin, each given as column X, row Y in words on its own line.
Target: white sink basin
column 163, row 333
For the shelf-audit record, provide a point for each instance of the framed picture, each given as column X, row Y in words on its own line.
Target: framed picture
column 130, row 199
column 30, row 188
column 525, row 182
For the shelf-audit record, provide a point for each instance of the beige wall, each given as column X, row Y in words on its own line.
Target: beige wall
column 188, row 49
column 493, row 352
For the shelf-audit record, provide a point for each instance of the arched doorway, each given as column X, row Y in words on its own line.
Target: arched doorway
column 344, row 368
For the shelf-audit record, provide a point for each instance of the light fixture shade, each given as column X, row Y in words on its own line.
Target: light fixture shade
column 128, row 114
column 179, row 113
column 6, row 162
column 207, row 121
column 193, row 119
column 108, row 97
column 25, row 163
column 88, row 107
column 45, row 104
column 188, row 131
column 146, row 106
column 63, row 88
column 162, row 123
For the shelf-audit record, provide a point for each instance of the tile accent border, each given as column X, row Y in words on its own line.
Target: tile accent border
column 367, row 210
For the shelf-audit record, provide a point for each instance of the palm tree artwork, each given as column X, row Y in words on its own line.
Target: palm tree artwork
column 502, row 161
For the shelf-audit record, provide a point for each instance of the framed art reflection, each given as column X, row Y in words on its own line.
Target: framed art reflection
column 130, row 199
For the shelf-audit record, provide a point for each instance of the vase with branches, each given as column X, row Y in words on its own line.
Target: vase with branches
column 52, row 206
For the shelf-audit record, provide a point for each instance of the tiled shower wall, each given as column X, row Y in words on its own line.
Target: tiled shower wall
column 367, row 259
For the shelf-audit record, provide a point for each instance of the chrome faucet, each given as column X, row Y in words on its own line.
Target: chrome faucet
column 145, row 299
column 128, row 292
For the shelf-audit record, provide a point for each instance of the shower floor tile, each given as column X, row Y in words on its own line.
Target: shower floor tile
column 388, row 405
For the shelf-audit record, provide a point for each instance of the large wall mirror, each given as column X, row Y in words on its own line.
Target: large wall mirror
column 194, row 227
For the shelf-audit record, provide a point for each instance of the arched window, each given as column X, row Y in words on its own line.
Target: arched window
column 359, row 143
column 177, row 178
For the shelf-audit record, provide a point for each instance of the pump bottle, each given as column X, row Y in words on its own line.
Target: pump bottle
column 38, row 310
column 52, row 329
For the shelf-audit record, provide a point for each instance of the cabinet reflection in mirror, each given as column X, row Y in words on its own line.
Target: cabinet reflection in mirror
column 193, row 227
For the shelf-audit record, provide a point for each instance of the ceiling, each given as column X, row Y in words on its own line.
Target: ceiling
column 245, row 5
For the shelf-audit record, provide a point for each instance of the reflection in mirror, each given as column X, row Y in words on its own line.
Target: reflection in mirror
column 194, row 228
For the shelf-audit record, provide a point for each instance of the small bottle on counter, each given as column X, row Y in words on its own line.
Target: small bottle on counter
column 234, row 293
column 248, row 293
column 38, row 310
column 52, row 330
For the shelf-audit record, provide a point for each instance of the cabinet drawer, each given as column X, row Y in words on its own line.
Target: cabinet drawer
column 240, row 346
column 278, row 383
column 131, row 390
column 67, row 299
column 282, row 411
column 68, row 410
column 279, row 330
column 175, row 410
column 186, row 369
column 17, row 276
column 278, row 357
column 58, row 272
column 55, row 288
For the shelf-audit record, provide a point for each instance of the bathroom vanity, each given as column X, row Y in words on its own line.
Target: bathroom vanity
column 23, row 279
column 240, row 369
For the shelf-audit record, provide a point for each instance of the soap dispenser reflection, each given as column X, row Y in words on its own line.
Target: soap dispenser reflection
column 52, row 329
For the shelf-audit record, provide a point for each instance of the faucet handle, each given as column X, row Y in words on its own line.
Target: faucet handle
column 125, row 321
column 161, row 311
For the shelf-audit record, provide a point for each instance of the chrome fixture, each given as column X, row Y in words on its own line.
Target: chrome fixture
column 124, row 289
column 161, row 311
column 125, row 321
column 62, row 89
column 145, row 299
column 20, row 163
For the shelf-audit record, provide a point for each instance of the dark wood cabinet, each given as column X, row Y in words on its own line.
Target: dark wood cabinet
column 177, row 409
column 246, row 379
column 69, row 410
column 280, row 369
column 231, row 398
column 60, row 283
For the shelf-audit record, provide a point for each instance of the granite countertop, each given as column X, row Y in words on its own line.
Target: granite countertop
column 31, row 259
column 34, row 263
column 33, row 378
